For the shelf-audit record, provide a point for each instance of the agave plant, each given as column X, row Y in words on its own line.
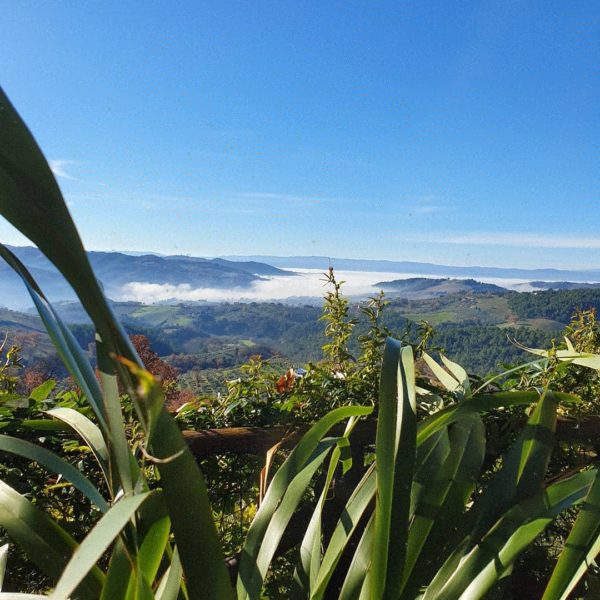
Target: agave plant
column 152, row 536
column 415, row 526
column 419, row 526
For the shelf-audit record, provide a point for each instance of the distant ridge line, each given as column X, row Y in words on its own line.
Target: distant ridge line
column 421, row 268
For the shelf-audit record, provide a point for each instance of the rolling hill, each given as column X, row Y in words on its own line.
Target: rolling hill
column 423, row 287
column 116, row 269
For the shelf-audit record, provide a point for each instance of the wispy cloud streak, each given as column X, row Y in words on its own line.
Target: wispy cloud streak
column 511, row 239
column 58, row 167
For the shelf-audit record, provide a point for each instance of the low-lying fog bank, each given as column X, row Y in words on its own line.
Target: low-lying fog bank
column 308, row 283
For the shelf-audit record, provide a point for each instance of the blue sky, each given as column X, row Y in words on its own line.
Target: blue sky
column 456, row 133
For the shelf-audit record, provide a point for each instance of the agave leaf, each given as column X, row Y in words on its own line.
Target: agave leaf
column 479, row 404
column 524, row 466
column 259, row 547
column 188, row 507
column 3, row 560
column 430, row 457
column 153, row 548
column 170, row 584
column 581, row 548
column 459, row 374
column 356, row 576
column 310, row 547
column 395, row 448
column 31, row 200
column 447, row 380
column 503, row 374
column 584, row 359
column 95, row 544
column 67, row 347
column 89, row 432
column 54, row 463
column 48, row 545
column 355, row 508
column 119, row 570
column 121, row 457
column 443, row 501
column 512, row 534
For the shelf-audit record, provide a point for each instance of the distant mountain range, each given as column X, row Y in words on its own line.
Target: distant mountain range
column 115, row 269
column 420, row 268
column 189, row 278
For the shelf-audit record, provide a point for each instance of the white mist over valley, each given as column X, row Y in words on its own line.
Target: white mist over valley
column 304, row 284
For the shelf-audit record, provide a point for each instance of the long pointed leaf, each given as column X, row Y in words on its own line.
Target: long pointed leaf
column 67, row 347
column 581, row 548
column 444, row 500
column 395, row 451
column 249, row 576
column 360, row 564
column 357, row 504
column 511, row 535
column 89, row 432
column 45, row 542
column 54, row 463
column 95, row 544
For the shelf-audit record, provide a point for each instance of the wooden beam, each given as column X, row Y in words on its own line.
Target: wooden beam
column 257, row 440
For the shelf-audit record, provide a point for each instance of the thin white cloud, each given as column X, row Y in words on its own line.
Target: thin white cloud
column 511, row 239
column 427, row 210
column 59, row 168
column 274, row 197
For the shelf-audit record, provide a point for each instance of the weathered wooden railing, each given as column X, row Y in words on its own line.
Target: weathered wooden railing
column 257, row 440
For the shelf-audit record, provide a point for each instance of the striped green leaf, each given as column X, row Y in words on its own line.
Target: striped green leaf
column 581, row 548
column 268, row 524
column 395, row 451
column 48, row 545
column 54, row 463
column 482, row 567
column 89, row 552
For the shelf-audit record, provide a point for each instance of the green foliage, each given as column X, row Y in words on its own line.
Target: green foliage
column 416, row 524
column 558, row 305
column 31, row 200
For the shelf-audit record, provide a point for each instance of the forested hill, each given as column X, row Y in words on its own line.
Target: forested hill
column 475, row 329
column 424, row 287
column 116, row 270
column 550, row 304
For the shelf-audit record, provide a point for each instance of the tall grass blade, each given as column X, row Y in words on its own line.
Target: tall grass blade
column 516, row 530
column 48, row 545
column 395, row 449
column 259, row 547
column 580, row 550
column 96, row 543
column 54, row 463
